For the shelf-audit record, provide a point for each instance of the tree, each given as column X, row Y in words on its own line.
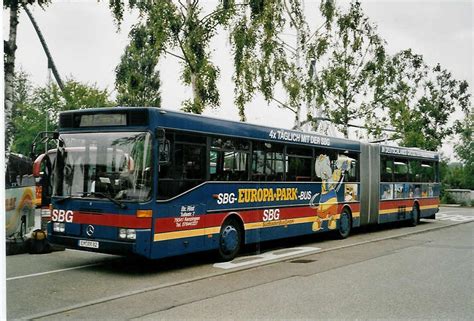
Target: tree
column 263, row 61
column 465, row 129
column 137, row 80
column 177, row 26
column 465, row 148
column 9, row 51
column 36, row 107
column 348, row 86
column 420, row 100
column 405, row 73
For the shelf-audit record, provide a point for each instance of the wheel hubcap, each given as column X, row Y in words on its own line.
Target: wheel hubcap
column 229, row 239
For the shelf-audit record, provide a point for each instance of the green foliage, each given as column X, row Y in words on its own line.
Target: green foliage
column 34, row 107
column 354, row 78
column 163, row 26
column 421, row 100
column 10, row 3
column 261, row 58
column 465, row 147
column 447, row 198
column 457, row 175
column 9, row 55
column 137, row 80
column 347, row 87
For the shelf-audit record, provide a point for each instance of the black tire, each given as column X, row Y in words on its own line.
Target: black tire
column 415, row 216
column 345, row 224
column 230, row 240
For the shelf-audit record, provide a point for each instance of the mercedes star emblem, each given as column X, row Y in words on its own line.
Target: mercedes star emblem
column 90, row 230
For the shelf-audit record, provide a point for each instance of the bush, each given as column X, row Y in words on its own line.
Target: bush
column 448, row 199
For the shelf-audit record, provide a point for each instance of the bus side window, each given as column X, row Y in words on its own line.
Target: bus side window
column 258, row 165
column 386, row 169
column 427, row 172
column 187, row 165
column 189, row 162
column 414, row 171
column 18, row 172
column 228, row 160
column 400, row 170
column 349, row 162
column 298, row 163
column 267, row 162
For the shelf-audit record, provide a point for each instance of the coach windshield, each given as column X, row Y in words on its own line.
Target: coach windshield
column 104, row 165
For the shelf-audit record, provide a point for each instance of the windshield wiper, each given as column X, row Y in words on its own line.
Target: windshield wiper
column 118, row 203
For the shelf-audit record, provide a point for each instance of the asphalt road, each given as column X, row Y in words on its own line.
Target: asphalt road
column 383, row 272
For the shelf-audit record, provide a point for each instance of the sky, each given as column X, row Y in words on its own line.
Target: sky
column 86, row 44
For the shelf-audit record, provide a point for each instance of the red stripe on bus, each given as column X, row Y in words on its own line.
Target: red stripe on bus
column 385, row 205
column 116, row 220
column 170, row 224
column 429, row 201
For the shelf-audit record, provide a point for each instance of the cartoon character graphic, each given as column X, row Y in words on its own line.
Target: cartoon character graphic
column 326, row 202
column 350, row 192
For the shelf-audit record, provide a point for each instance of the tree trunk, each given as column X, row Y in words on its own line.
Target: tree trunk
column 9, row 51
column 197, row 101
column 345, row 121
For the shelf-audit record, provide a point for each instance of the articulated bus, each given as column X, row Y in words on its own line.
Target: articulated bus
column 159, row 183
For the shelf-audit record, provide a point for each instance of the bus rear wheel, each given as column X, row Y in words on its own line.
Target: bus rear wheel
column 230, row 240
column 345, row 224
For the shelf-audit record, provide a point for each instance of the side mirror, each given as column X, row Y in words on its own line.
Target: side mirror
column 41, row 139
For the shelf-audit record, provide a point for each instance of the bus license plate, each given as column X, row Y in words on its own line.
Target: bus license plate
column 89, row 244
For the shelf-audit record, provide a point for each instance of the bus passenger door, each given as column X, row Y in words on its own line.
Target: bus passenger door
column 370, row 184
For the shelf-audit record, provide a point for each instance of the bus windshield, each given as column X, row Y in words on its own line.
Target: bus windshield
column 115, row 165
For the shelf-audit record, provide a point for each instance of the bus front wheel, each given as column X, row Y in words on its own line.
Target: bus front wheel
column 230, row 239
column 345, row 224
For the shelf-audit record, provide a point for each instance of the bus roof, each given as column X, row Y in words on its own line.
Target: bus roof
column 153, row 117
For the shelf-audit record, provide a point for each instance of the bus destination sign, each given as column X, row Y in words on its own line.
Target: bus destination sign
column 407, row 152
column 99, row 120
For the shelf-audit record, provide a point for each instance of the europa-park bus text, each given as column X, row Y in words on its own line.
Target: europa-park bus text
column 161, row 183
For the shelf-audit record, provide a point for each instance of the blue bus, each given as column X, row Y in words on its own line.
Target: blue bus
column 160, row 183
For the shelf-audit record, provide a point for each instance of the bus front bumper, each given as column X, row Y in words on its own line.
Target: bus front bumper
column 93, row 245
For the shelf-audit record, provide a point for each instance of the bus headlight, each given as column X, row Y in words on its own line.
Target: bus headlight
column 131, row 234
column 127, row 234
column 59, row 227
column 122, row 233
